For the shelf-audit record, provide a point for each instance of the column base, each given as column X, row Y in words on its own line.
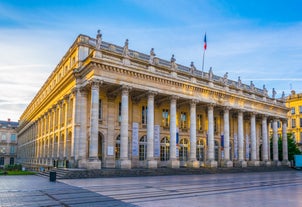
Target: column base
column 253, row 163
column 226, row 163
column 82, row 164
column 286, row 163
column 266, row 163
column 94, row 164
column 193, row 164
column 173, row 163
column 276, row 163
column 211, row 163
column 152, row 164
column 125, row 164
column 240, row 163
column 109, row 163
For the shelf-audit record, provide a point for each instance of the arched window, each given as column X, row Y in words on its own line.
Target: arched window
column 143, row 148
column 118, row 147
column 164, row 149
column 216, row 150
column 183, row 150
column 200, row 150
column 12, row 161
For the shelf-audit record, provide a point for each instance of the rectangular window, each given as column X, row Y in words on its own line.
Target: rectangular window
column 12, row 149
column 120, row 112
column 3, row 137
column 165, row 118
column 293, row 123
column 100, row 109
column 144, row 114
column 215, row 124
column 300, row 109
column 293, row 110
column 300, row 122
column 13, row 137
column 1, row 160
column 199, row 122
column 12, row 161
column 183, row 120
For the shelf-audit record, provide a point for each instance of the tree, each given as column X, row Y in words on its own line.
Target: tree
column 292, row 146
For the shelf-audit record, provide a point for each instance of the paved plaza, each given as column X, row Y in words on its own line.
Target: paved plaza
column 283, row 188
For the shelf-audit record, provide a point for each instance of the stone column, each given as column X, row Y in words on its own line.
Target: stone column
column 275, row 143
column 265, row 159
column 241, row 162
column 151, row 162
column 226, row 133
column 254, row 161
column 193, row 162
column 82, row 142
column 94, row 162
column 125, row 162
column 173, row 162
column 284, row 143
column 211, row 162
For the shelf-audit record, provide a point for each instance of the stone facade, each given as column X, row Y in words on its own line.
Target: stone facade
column 106, row 106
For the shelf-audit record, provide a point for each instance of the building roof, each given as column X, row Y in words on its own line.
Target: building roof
column 8, row 124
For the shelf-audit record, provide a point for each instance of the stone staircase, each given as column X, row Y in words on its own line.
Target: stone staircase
column 71, row 173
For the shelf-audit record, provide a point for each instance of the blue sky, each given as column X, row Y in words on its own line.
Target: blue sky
column 259, row 41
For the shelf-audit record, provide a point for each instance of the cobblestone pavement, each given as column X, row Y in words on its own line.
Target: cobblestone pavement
column 236, row 189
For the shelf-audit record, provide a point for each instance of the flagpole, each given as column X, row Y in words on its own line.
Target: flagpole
column 204, row 51
column 203, row 62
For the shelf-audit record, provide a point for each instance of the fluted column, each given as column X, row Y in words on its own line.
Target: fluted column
column 265, row 142
column 151, row 162
column 275, row 143
column 125, row 162
column 211, row 162
column 193, row 162
column 241, row 161
column 226, row 133
column 173, row 162
column 82, row 142
column 254, row 161
column 284, row 143
column 94, row 162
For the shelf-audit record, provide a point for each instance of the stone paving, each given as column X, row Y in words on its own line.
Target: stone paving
column 229, row 189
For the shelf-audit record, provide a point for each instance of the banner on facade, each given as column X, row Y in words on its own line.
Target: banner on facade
column 222, row 141
column 156, row 140
column 135, row 139
column 247, row 147
column 235, row 147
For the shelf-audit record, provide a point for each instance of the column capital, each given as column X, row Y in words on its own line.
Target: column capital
column 211, row 105
column 95, row 83
column 152, row 93
column 126, row 88
column 173, row 97
column 284, row 120
column 226, row 108
column 193, row 102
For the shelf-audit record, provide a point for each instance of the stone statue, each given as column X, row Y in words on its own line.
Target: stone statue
column 239, row 82
column 173, row 64
column 192, row 69
column 210, row 74
column 264, row 90
column 126, row 49
column 225, row 78
column 274, row 93
column 152, row 55
column 98, row 40
column 252, row 86
column 283, row 95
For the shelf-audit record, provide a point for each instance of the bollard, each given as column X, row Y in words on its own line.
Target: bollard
column 52, row 176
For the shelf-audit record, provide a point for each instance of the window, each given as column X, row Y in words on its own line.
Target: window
column 12, row 149
column 183, row 150
column 293, row 110
column 300, row 109
column 144, row 114
column 143, row 148
column 216, row 150
column 200, row 150
column 3, row 138
column 1, row 160
column 165, row 118
column 215, row 124
column 12, row 161
column 199, row 122
column 293, row 123
column 100, row 109
column 118, row 148
column 13, row 137
column 183, row 120
column 120, row 112
column 164, row 149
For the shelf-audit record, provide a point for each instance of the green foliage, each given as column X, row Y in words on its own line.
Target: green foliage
column 292, row 146
column 14, row 167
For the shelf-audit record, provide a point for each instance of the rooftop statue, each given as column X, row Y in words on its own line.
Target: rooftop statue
column 152, row 56
column 274, row 93
column 126, row 49
column 173, row 64
column 239, row 82
column 193, row 68
column 225, row 78
column 210, row 74
column 252, row 86
column 98, row 40
column 283, row 95
column 264, row 90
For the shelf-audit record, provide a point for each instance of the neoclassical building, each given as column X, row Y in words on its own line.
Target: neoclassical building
column 106, row 106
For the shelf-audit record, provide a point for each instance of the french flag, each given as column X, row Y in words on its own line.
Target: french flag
column 205, row 41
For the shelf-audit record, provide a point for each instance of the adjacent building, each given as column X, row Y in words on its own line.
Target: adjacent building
column 294, row 103
column 8, row 142
column 106, row 106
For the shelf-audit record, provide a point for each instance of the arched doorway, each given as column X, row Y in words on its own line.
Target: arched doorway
column 118, row 147
column 200, row 152
column 143, row 148
column 164, row 150
column 216, row 148
column 100, row 146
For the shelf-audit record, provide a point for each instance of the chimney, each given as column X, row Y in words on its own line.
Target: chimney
column 8, row 119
